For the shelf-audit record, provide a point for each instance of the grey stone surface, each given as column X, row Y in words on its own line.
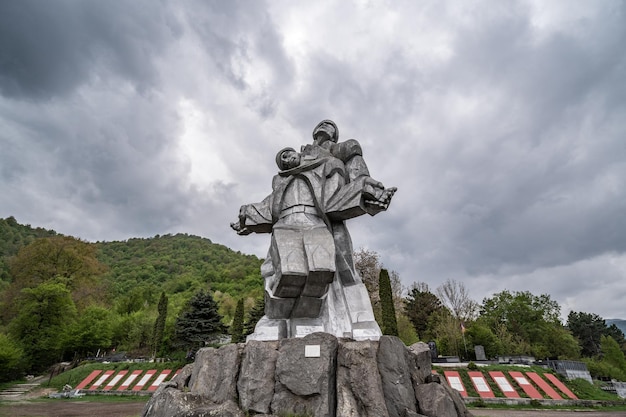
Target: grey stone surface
column 306, row 384
column 434, row 401
column 309, row 271
column 423, row 365
column 479, row 350
column 396, row 365
column 455, row 396
column 227, row 409
column 359, row 386
column 409, row 413
column 257, row 375
column 215, row 373
column 317, row 375
column 170, row 401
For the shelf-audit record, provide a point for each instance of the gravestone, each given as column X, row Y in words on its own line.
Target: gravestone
column 480, row 353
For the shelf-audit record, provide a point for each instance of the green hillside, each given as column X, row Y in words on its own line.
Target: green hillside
column 95, row 297
column 14, row 236
column 177, row 264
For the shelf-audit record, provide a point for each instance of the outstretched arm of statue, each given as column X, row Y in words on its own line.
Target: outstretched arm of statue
column 254, row 218
column 240, row 225
column 376, row 197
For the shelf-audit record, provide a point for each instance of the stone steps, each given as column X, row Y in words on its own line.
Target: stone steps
column 16, row 391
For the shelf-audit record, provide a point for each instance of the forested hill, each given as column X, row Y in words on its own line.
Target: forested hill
column 136, row 271
column 13, row 236
column 178, row 263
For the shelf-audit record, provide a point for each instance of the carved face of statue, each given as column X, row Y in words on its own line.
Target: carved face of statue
column 289, row 159
column 325, row 132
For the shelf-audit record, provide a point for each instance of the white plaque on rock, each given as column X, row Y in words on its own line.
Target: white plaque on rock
column 312, row 351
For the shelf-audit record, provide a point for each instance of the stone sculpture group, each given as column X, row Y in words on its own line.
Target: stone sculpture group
column 311, row 284
column 318, row 350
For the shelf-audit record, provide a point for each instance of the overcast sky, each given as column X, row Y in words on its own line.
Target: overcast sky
column 502, row 123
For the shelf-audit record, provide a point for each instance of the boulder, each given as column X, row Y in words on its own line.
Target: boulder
column 169, row 401
column 423, row 365
column 434, row 401
column 359, row 385
column 318, row 375
column 257, row 376
column 215, row 373
column 306, row 383
column 396, row 365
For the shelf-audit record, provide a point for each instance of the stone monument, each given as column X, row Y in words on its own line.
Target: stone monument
column 318, row 350
column 311, row 284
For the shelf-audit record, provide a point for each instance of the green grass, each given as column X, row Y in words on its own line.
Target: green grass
column 612, row 408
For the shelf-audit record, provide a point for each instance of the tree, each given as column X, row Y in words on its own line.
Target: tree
column 420, row 305
column 92, row 331
column 236, row 330
column 388, row 312
column 11, row 363
column 532, row 320
column 159, row 325
column 44, row 314
column 588, row 329
column 455, row 296
column 60, row 259
column 447, row 331
column 367, row 264
column 199, row 321
column 254, row 315
column 616, row 334
column 612, row 354
column 478, row 334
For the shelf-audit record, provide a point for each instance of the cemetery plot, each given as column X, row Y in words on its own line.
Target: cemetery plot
column 528, row 388
column 115, row 380
column 481, row 385
column 561, row 386
column 159, row 379
column 129, row 381
column 544, row 385
column 454, row 379
column 144, row 380
column 88, row 380
column 101, row 380
column 506, row 388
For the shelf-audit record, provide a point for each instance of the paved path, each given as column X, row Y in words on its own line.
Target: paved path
column 545, row 413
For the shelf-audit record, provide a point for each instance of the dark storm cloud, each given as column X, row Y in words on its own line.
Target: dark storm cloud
column 501, row 124
column 51, row 49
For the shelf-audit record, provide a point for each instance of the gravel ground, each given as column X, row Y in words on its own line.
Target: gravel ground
column 65, row 408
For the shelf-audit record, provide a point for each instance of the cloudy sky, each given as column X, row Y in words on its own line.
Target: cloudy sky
column 502, row 123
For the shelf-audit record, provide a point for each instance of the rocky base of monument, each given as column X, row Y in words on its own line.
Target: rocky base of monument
column 318, row 375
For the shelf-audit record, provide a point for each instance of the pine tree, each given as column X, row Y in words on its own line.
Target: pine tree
column 389, row 324
column 199, row 321
column 254, row 315
column 236, row 330
column 159, row 325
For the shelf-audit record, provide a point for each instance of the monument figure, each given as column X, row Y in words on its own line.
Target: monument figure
column 311, row 284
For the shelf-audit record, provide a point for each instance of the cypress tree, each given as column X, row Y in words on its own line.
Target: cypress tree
column 237, row 327
column 159, row 325
column 199, row 321
column 389, row 324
